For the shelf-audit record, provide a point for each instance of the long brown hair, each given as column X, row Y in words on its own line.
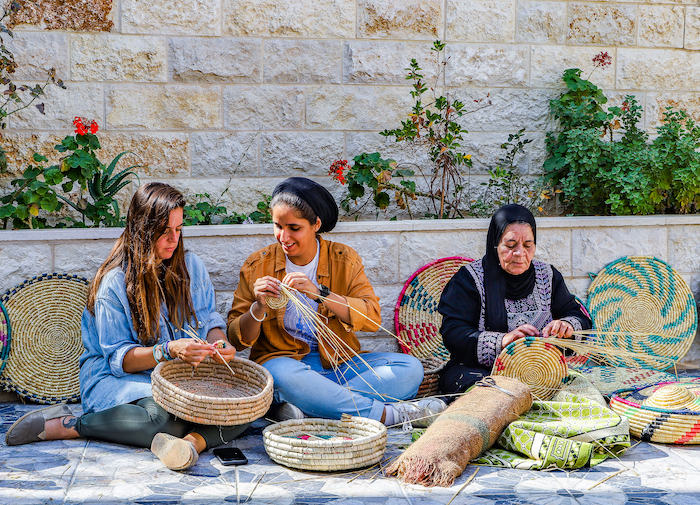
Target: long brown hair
column 149, row 282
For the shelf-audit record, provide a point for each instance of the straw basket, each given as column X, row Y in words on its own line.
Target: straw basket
column 609, row 379
column 416, row 318
column 646, row 297
column 431, row 376
column 209, row 394
column 538, row 364
column 667, row 413
column 326, row 445
column 5, row 337
column 45, row 312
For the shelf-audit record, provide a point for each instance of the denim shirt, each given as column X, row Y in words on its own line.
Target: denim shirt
column 109, row 335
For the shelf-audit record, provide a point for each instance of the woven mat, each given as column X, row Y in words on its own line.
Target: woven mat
column 608, row 379
column 5, row 337
column 45, row 313
column 416, row 318
column 646, row 297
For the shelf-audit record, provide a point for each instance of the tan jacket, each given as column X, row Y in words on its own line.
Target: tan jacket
column 340, row 268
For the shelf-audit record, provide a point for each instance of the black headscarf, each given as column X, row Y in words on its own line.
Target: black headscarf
column 498, row 284
column 319, row 199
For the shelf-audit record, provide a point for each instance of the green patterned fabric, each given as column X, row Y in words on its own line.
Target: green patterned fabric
column 569, row 433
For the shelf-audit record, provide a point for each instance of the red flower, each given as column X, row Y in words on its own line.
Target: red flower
column 602, row 59
column 81, row 128
column 93, row 127
column 336, row 170
column 625, row 107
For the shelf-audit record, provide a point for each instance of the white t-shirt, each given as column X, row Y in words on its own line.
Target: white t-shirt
column 294, row 324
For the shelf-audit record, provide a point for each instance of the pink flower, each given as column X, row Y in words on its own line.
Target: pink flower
column 603, row 59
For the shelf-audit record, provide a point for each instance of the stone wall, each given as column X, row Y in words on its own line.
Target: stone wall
column 213, row 94
column 391, row 251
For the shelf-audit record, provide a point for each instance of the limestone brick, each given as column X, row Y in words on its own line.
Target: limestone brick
column 19, row 262
column 549, row 62
column 487, row 65
column 85, row 16
column 158, row 155
column 109, row 57
column 578, row 287
column 417, row 249
column 656, row 104
column 661, row 25
column 481, row 20
column 177, row 107
column 224, row 300
column 82, row 259
column 388, row 295
column 171, row 17
column 485, row 151
column 541, row 22
column 602, row 24
column 409, row 19
column 242, row 196
column 406, row 154
column 683, row 249
column 289, row 18
column 216, row 154
column 205, row 59
column 386, row 62
column 554, row 247
column 263, row 107
column 299, row 153
column 293, row 61
column 692, row 28
column 356, row 107
column 379, row 252
column 657, row 69
column 20, row 147
column 61, row 106
column 37, row 53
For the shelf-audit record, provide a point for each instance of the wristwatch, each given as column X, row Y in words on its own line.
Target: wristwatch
column 324, row 292
column 158, row 353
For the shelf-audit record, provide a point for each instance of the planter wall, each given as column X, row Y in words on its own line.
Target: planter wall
column 391, row 250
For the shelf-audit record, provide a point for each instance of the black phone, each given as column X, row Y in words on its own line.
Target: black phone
column 230, row 456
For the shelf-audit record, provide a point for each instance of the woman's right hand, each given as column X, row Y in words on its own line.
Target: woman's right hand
column 525, row 330
column 190, row 350
column 264, row 287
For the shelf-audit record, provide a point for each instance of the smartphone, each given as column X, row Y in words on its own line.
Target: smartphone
column 230, row 456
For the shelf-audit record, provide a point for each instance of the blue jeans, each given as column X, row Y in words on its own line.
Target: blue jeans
column 353, row 388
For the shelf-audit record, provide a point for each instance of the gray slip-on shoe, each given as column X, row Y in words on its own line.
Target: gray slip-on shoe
column 175, row 453
column 30, row 427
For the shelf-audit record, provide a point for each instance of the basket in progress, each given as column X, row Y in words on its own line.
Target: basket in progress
column 431, row 376
column 667, row 413
column 326, row 445
column 45, row 312
column 535, row 362
column 646, row 297
column 209, row 394
column 416, row 318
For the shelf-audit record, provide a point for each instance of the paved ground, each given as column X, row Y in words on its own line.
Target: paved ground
column 80, row 471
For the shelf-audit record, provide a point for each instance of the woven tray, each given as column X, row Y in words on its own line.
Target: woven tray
column 431, row 376
column 326, row 445
column 209, row 394
column 538, row 364
column 647, row 297
column 416, row 318
column 45, row 312
column 609, row 379
column 5, row 337
column 667, row 413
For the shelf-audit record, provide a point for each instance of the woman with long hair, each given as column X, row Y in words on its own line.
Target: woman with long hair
column 145, row 298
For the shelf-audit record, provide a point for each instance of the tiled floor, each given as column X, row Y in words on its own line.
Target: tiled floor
column 81, row 471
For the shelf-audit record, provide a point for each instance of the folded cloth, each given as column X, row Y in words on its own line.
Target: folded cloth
column 570, row 433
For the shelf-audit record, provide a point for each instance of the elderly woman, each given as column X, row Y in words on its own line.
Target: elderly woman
column 504, row 296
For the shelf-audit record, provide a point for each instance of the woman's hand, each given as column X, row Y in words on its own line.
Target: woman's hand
column 559, row 329
column 301, row 282
column 264, row 287
column 190, row 350
column 525, row 330
column 228, row 352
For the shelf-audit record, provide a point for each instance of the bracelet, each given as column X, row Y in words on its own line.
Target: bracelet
column 253, row 315
column 166, row 352
column 158, row 353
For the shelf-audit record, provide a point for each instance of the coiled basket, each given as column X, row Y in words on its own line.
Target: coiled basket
column 209, row 394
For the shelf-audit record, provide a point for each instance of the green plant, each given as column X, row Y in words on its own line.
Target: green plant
column 208, row 212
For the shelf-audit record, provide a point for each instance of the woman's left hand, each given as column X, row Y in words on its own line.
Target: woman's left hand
column 301, row 282
column 559, row 329
column 227, row 353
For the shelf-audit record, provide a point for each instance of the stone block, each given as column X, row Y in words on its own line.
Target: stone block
column 592, row 249
column 19, row 262
column 692, row 28
column 410, row 19
column 289, row 18
column 61, row 106
column 412, row 155
column 176, row 107
column 204, row 59
column 377, row 342
column 487, row 65
column 536, row 152
column 20, row 147
column 386, row 62
column 224, row 300
column 36, row 53
column 299, row 153
column 661, row 25
column 578, row 286
column 684, row 248
column 83, row 16
column 108, row 57
column 160, row 155
column 379, row 253
column 541, row 22
column 388, row 295
column 486, row 153
column 263, row 107
column 651, row 69
column 602, row 24
column 82, row 258
column 481, row 20
column 554, row 247
column 356, row 107
column 656, row 104
column 549, row 62
column 216, row 154
column 292, row 61
column 417, row 249
column 242, row 196
column 171, row 17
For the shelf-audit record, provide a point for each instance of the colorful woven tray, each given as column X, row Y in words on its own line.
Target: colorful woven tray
column 535, row 362
column 45, row 312
column 668, row 412
column 416, row 318
column 5, row 337
column 646, row 298
column 609, row 379
column 432, row 367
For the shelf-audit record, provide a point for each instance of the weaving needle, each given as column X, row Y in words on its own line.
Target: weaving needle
column 198, row 339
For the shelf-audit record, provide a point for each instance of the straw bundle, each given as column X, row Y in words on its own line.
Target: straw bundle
column 210, row 394
column 468, row 427
column 326, row 445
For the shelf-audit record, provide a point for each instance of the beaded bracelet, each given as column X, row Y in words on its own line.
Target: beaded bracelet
column 253, row 315
column 166, row 352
